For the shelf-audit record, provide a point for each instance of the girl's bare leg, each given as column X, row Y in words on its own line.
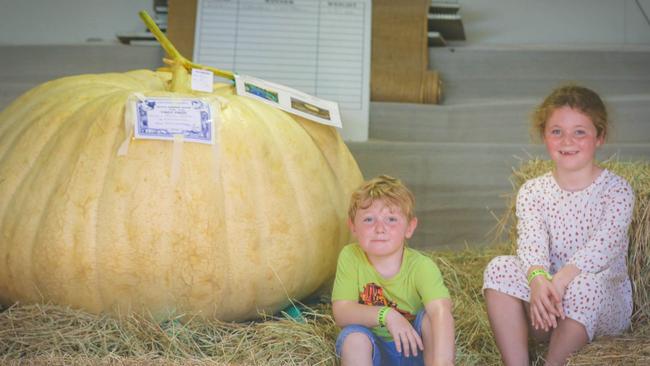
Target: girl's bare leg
column 569, row 337
column 539, row 335
column 509, row 324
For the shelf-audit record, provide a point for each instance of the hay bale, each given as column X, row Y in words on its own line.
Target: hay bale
column 76, row 360
column 632, row 348
column 463, row 275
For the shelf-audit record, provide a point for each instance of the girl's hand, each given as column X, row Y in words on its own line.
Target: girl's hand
column 561, row 281
column 560, row 288
column 564, row 277
column 407, row 340
column 545, row 304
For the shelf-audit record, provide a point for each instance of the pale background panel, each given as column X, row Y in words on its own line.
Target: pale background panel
column 41, row 22
column 486, row 22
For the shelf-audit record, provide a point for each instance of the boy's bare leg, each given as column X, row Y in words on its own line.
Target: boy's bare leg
column 569, row 337
column 509, row 324
column 356, row 350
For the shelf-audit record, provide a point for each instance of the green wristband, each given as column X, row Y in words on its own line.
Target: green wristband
column 539, row 272
column 381, row 316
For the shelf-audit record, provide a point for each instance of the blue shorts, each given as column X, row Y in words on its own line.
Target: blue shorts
column 384, row 352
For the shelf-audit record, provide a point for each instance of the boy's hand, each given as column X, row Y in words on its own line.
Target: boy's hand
column 407, row 340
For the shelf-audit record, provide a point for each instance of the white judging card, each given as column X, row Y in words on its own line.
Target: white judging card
column 320, row 47
column 290, row 100
column 203, row 80
column 162, row 118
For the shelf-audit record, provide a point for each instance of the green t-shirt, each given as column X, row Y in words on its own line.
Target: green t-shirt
column 418, row 282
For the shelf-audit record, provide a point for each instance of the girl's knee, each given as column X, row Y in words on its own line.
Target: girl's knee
column 504, row 307
column 492, row 295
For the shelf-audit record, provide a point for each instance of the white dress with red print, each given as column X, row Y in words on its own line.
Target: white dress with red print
column 587, row 228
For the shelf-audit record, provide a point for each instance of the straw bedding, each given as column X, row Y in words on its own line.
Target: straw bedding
column 55, row 335
column 38, row 332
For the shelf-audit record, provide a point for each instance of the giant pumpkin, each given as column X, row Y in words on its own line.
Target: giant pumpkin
column 246, row 225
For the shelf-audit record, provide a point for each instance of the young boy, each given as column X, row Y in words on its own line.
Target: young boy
column 389, row 299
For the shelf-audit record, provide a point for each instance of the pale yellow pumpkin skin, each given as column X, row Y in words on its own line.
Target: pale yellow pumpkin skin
column 246, row 226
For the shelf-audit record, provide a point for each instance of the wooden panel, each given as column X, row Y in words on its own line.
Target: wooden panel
column 400, row 53
column 181, row 21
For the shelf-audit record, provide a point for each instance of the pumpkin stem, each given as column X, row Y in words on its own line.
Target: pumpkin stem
column 179, row 82
column 179, row 62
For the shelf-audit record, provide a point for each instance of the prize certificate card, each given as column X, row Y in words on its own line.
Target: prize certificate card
column 163, row 118
column 319, row 47
column 290, row 100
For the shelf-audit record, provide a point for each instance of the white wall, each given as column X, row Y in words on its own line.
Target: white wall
column 487, row 22
column 556, row 22
column 34, row 22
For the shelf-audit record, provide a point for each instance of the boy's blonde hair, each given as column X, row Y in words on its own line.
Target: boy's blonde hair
column 383, row 187
column 585, row 100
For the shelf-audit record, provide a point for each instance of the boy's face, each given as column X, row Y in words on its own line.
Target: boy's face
column 381, row 229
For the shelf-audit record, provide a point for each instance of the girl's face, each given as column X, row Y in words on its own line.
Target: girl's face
column 571, row 139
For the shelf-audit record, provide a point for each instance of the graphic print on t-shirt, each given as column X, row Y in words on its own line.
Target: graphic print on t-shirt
column 373, row 295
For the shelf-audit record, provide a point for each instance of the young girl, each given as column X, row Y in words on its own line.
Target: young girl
column 569, row 279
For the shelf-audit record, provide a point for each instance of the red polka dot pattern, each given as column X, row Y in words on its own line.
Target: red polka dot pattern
column 587, row 228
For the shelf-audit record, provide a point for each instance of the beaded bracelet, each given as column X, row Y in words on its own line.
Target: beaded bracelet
column 381, row 316
column 539, row 272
